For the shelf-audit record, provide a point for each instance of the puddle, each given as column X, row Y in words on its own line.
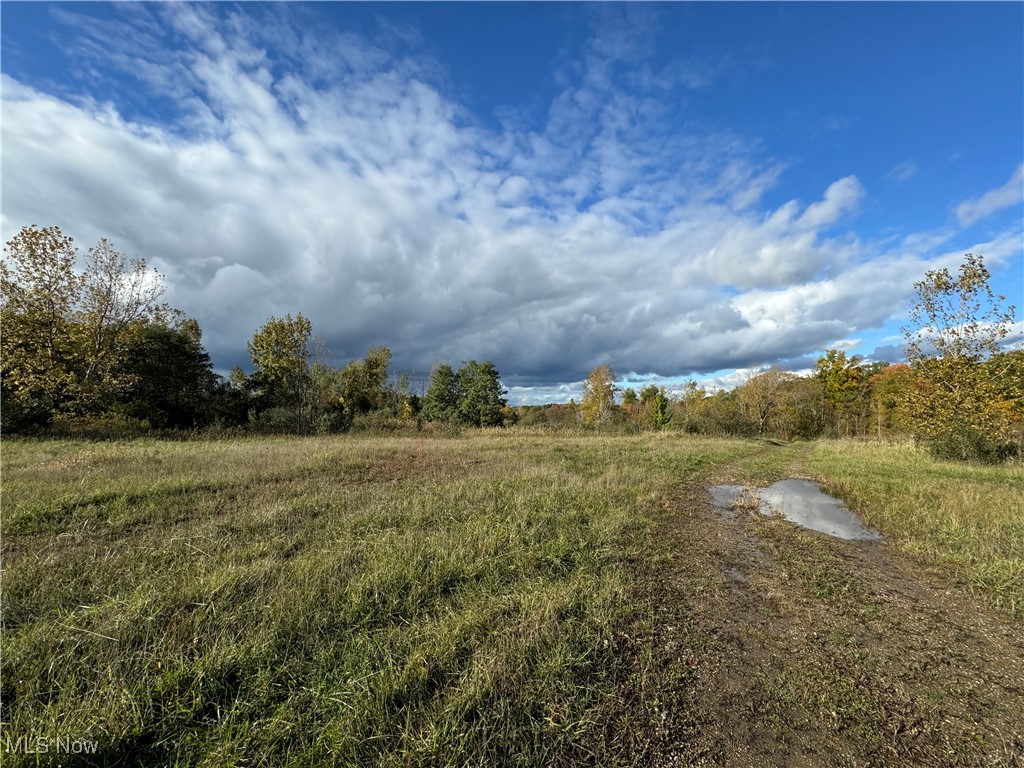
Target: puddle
column 725, row 497
column 801, row 502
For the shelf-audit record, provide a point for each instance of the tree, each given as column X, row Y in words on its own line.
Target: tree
column 481, row 396
column 842, row 380
column 659, row 412
column 959, row 317
column 40, row 289
column 119, row 295
column 800, row 413
column 689, row 402
column 441, row 402
column 171, row 380
column 762, row 394
column 65, row 332
column 599, row 395
column 890, row 388
column 722, row 414
column 647, row 394
column 229, row 402
column 956, row 325
column 281, row 371
column 1007, row 370
column 572, row 411
column 329, row 412
column 405, row 403
column 364, row 382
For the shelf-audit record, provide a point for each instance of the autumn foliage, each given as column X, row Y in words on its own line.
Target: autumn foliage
column 87, row 346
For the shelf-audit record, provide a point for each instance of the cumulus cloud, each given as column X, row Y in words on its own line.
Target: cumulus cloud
column 841, row 197
column 336, row 176
column 1010, row 194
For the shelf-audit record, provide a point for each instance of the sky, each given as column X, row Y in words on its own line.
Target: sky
column 676, row 190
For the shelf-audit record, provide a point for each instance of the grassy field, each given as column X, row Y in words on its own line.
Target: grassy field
column 966, row 519
column 481, row 600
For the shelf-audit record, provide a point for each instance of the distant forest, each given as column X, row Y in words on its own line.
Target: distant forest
column 95, row 353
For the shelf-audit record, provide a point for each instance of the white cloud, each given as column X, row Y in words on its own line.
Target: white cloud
column 339, row 180
column 1010, row 194
column 841, row 197
column 903, row 172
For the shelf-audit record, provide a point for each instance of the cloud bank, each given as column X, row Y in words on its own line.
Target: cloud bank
column 290, row 170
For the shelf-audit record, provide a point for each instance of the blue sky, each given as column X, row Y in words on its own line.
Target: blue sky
column 673, row 189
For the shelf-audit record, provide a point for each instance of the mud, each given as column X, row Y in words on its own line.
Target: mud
column 808, row 650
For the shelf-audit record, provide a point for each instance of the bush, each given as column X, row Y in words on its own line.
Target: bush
column 333, row 421
column 103, row 426
column 274, row 421
column 966, row 444
column 379, row 423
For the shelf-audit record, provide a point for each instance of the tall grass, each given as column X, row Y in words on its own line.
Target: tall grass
column 966, row 518
column 347, row 601
column 392, row 600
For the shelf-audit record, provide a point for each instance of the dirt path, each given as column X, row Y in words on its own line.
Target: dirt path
column 805, row 650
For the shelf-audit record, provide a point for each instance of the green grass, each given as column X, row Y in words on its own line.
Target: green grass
column 404, row 601
column 330, row 601
column 967, row 519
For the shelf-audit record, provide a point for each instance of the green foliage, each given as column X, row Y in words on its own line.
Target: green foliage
column 441, row 402
column 281, row 370
column 1006, row 370
column 330, row 413
column 40, row 359
column 843, row 381
column 110, row 425
column 119, row 296
column 721, row 414
column 364, row 382
column 472, row 396
column 171, row 381
column 687, row 405
column 659, row 409
column 552, row 416
column 229, row 403
column 509, row 415
column 481, row 396
column 800, row 414
column 889, row 390
column 648, row 393
column 960, row 412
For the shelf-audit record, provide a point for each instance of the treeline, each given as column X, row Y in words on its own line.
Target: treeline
column 95, row 352
column 289, row 392
column 845, row 397
column 959, row 392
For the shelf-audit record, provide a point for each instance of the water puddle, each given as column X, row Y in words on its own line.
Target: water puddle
column 726, row 497
column 799, row 501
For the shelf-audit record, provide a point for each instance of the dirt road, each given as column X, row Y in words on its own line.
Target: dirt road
column 787, row 647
